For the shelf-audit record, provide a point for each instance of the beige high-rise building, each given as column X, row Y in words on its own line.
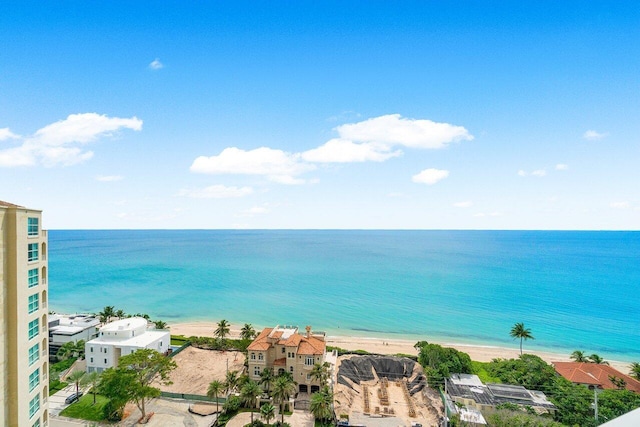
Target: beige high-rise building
column 24, row 365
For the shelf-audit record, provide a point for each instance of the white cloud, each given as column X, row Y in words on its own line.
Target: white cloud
column 255, row 210
column 345, row 151
column 465, row 204
column 109, row 178
column 156, row 64
column 278, row 165
column 430, row 176
column 538, row 173
column 620, row 205
column 562, row 167
column 217, row 191
column 593, row 135
column 60, row 143
column 394, row 130
column 5, row 133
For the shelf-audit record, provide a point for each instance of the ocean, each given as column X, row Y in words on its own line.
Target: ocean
column 574, row 290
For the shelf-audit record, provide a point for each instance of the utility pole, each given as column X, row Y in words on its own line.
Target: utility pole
column 595, row 399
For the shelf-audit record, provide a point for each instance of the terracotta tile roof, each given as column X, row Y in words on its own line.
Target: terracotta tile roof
column 304, row 345
column 260, row 343
column 280, row 362
column 594, row 374
column 8, row 205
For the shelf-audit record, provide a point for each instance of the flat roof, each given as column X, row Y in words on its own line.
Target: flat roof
column 124, row 324
column 140, row 341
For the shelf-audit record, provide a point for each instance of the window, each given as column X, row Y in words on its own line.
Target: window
column 260, row 356
column 308, row 377
column 309, row 361
column 253, row 356
column 34, row 406
column 37, row 423
column 280, row 371
column 256, row 371
column 34, row 379
column 33, row 328
column 32, row 254
column 33, row 277
column 34, row 354
column 283, row 350
column 91, row 349
column 92, row 360
column 105, row 361
column 32, row 227
column 291, row 369
column 33, row 303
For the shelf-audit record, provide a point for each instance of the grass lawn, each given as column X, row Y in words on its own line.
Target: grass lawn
column 85, row 409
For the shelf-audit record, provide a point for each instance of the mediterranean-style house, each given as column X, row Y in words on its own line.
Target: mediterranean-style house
column 283, row 349
column 595, row 375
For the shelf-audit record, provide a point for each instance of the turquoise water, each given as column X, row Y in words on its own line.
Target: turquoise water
column 574, row 290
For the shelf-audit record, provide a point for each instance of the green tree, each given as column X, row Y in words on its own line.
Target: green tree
column 71, row 349
column 320, row 372
column 620, row 383
column 440, row 362
column 266, row 378
column 579, row 356
column 115, row 385
column 215, row 388
column 107, row 313
column 613, row 403
column 76, row 378
column 138, row 370
column 594, row 358
column 222, row 330
column 231, row 381
column 249, row 393
column 92, row 379
column 120, row 314
column 527, row 370
column 268, row 412
column 283, row 388
column 322, row 405
column 160, row 324
column 247, row 332
column 510, row 418
column 634, row 370
column 519, row 331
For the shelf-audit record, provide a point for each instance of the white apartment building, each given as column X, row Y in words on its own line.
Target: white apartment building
column 120, row 338
column 64, row 328
column 24, row 365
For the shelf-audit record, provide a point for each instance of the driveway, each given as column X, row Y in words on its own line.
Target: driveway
column 56, row 401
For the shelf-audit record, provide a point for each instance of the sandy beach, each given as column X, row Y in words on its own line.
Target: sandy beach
column 383, row 345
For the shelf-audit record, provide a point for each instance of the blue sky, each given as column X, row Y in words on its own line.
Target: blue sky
column 418, row 115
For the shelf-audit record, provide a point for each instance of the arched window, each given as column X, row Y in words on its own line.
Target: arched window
column 44, row 275
column 43, row 347
column 44, row 299
column 44, row 323
column 44, row 251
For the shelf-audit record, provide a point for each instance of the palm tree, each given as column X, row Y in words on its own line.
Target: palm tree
column 222, row 330
column 266, row 378
column 231, row 381
column 267, row 411
column 320, row 372
column 92, row 379
column 120, row 314
column 250, row 391
column 76, row 377
column 519, row 331
column 215, row 388
column 579, row 356
column 160, row 324
column 635, row 370
column 247, row 332
column 71, row 349
column 321, row 404
column 106, row 314
column 283, row 388
column 594, row 358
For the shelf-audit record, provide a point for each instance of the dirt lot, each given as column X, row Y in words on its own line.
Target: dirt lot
column 197, row 368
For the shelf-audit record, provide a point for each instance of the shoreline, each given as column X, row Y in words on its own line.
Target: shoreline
column 384, row 345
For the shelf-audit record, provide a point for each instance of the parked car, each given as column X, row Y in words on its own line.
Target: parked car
column 73, row 397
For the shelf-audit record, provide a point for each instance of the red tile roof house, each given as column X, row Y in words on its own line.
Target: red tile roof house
column 284, row 349
column 594, row 374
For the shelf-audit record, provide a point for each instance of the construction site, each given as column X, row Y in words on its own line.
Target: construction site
column 384, row 391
